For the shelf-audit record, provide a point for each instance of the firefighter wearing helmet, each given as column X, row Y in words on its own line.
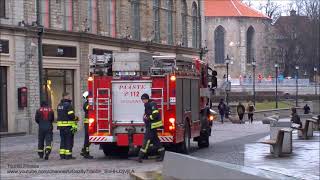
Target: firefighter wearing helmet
column 152, row 121
column 85, row 150
column 67, row 124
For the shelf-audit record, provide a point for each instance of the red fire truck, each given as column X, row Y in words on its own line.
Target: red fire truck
column 179, row 86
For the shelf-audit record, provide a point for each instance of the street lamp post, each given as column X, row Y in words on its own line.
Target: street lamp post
column 40, row 65
column 227, row 60
column 254, row 81
column 276, row 66
column 297, row 77
column 315, row 80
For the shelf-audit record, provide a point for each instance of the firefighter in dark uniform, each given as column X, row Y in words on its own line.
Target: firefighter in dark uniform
column 66, row 123
column 152, row 121
column 85, row 150
column 44, row 118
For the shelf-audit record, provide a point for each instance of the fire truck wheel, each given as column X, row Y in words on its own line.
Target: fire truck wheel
column 185, row 146
column 108, row 149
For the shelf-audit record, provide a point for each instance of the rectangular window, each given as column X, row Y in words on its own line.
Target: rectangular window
column 68, row 15
column 92, row 16
column 135, row 10
column 100, row 51
column 156, row 19
column 110, row 17
column 2, row 8
column 45, row 13
column 4, row 46
column 169, row 6
column 59, row 51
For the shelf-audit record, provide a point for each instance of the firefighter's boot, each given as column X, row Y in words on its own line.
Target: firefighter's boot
column 87, row 156
column 47, row 152
column 161, row 155
column 40, row 155
column 68, row 157
column 140, row 157
column 83, row 152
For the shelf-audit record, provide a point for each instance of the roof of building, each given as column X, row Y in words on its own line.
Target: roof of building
column 230, row 8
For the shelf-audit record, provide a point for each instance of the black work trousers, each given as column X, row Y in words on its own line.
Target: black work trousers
column 86, row 143
column 44, row 137
column 150, row 137
column 66, row 142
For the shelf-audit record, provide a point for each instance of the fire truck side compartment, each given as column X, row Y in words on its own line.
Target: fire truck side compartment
column 179, row 101
column 195, row 100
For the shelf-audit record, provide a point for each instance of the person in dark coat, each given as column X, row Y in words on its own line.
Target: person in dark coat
column 44, row 118
column 306, row 109
column 250, row 109
column 240, row 110
column 295, row 118
column 222, row 109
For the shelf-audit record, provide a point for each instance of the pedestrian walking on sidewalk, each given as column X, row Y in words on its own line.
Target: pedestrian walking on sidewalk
column 222, row 109
column 44, row 118
column 306, row 109
column 250, row 110
column 295, row 118
column 241, row 110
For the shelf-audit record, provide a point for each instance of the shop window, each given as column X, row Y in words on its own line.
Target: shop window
column 59, row 51
column 4, row 46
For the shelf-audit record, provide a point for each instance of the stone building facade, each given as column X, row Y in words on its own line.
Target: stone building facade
column 74, row 29
column 230, row 25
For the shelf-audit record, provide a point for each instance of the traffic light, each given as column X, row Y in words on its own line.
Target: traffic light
column 214, row 80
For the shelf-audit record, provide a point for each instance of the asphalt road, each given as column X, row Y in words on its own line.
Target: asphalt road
column 19, row 159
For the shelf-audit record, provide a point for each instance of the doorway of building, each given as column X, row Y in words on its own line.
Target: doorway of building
column 3, row 100
column 56, row 82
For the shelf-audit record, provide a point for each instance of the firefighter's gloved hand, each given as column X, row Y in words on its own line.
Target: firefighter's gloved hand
column 76, row 118
column 145, row 119
column 74, row 128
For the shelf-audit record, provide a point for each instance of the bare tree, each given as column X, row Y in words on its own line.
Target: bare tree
column 248, row 2
column 271, row 9
column 299, row 37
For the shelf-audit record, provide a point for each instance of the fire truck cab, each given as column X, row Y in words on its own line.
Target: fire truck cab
column 178, row 84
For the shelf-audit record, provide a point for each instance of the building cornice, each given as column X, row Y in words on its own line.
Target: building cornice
column 101, row 40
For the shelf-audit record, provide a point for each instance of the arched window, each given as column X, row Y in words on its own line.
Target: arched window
column 184, row 15
column 156, row 20
column 169, row 9
column 219, row 45
column 135, row 10
column 250, row 44
column 194, row 25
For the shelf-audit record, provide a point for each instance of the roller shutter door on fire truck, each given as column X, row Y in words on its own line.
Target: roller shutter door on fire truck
column 127, row 104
